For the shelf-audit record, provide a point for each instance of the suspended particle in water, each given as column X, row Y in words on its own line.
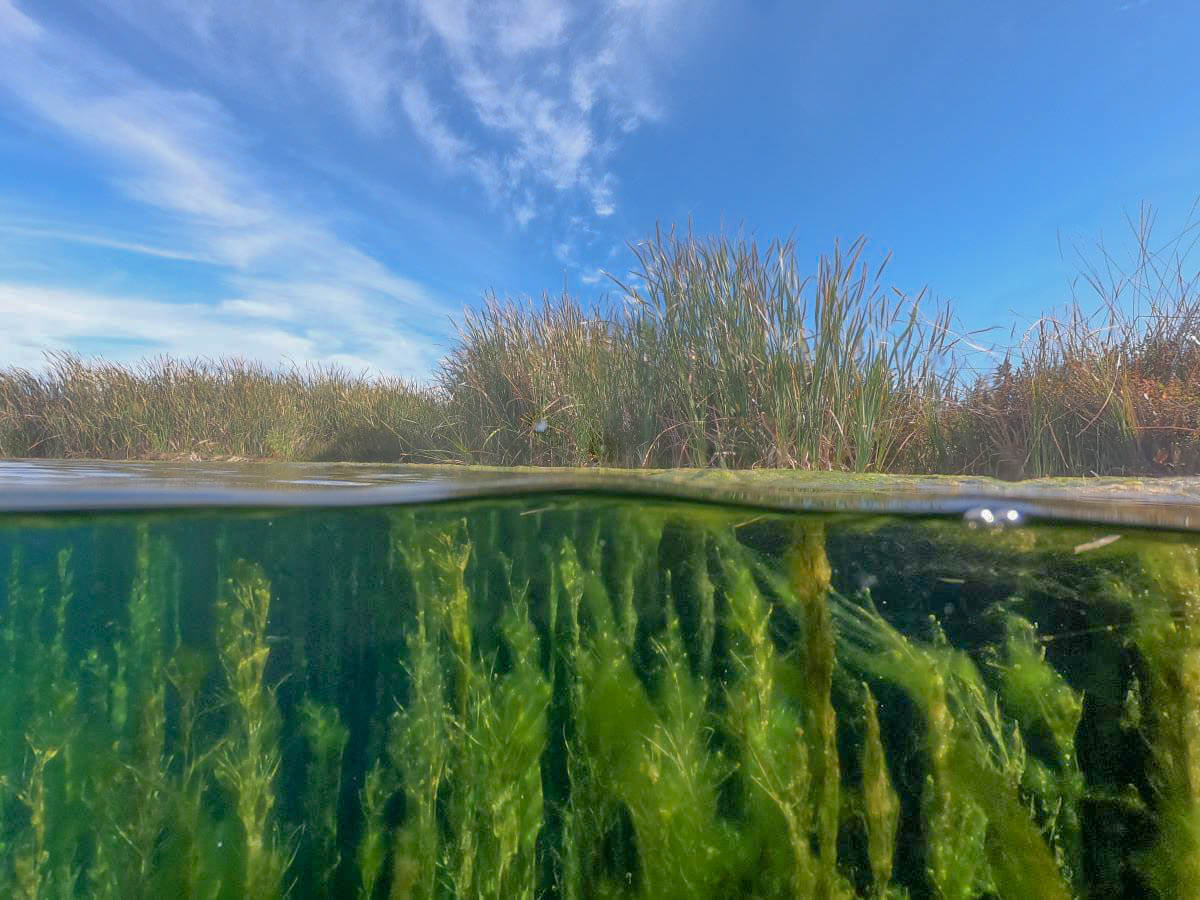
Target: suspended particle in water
column 993, row 517
column 866, row 581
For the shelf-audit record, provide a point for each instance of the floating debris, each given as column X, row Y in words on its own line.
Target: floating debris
column 1097, row 543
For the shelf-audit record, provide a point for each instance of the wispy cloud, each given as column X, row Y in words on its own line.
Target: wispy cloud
column 448, row 147
column 520, row 96
column 42, row 319
column 602, row 196
column 15, row 25
column 555, row 85
column 531, row 25
column 98, row 240
column 179, row 152
column 524, row 100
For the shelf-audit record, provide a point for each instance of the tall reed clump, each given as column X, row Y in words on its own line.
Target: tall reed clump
column 232, row 407
column 717, row 354
column 1104, row 386
column 713, row 351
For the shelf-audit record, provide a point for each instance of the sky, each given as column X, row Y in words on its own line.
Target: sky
column 334, row 183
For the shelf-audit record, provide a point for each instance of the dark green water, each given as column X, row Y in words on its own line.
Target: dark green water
column 569, row 694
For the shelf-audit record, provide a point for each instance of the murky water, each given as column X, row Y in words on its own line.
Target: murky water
column 382, row 682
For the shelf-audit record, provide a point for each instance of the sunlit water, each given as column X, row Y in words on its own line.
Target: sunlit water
column 258, row 680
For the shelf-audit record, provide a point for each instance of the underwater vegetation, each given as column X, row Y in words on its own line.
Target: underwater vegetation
column 586, row 698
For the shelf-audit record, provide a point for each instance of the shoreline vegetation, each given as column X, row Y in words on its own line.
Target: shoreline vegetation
column 717, row 353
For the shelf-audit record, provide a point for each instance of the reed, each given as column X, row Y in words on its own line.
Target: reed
column 717, row 354
column 715, row 351
column 167, row 408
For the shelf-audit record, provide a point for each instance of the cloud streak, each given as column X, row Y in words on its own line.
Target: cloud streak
column 526, row 101
column 179, row 152
column 555, row 85
column 45, row 319
column 527, row 98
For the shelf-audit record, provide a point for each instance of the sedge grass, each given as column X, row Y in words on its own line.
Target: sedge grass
column 715, row 351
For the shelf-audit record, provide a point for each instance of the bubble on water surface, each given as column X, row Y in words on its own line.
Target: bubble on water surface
column 998, row 516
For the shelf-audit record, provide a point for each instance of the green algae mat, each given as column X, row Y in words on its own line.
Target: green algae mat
column 562, row 693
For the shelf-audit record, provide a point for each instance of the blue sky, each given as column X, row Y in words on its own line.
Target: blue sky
column 333, row 182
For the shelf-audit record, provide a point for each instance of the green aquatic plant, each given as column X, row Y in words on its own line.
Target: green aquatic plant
column 808, row 574
column 140, row 806
column 772, row 741
column 326, row 736
column 420, row 748
column 249, row 763
column 188, row 869
column 1166, row 633
column 588, row 699
column 469, row 745
column 509, row 719
column 800, row 587
column 881, row 804
column 979, row 834
column 41, row 718
column 1039, row 698
column 371, row 855
column 649, row 755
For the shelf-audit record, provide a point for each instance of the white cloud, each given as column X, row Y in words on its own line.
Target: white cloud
column 97, row 240
column 451, row 19
column 43, row 318
column 427, row 120
column 531, row 25
column 48, row 319
column 526, row 99
column 602, row 196
column 546, row 88
column 172, row 149
column 524, row 213
column 559, row 84
column 179, row 152
column 258, row 309
column 14, row 24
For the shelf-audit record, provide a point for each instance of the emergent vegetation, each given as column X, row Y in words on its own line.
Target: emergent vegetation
column 716, row 353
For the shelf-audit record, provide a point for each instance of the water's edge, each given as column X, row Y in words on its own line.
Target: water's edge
column 36, row 486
